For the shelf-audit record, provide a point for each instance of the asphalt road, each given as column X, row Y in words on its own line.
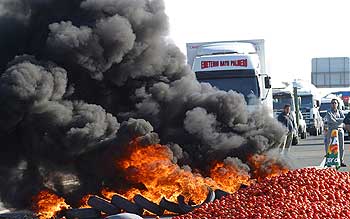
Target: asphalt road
column 310, row 152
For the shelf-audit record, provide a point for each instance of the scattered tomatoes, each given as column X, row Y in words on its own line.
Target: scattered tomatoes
column 303, row 193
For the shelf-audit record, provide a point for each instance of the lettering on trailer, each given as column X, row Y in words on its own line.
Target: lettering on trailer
column 213, row 64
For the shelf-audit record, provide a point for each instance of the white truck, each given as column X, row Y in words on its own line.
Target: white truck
column 234, row 65
column 281, row 97
column 310, row 103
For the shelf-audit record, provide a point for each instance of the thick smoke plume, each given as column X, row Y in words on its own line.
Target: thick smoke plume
column 81, row 79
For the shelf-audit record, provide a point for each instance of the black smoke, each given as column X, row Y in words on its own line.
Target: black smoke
column 81, row 79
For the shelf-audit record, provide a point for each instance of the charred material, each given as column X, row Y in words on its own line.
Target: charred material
column 81, row 213
column 126, row 205
column 183, row 206
column 210, row 196
column 18, row 215
column 103, row 205
column 170, row 206
column 220, row 193
column 188, row 208
column 148, row 205
column 243, row 186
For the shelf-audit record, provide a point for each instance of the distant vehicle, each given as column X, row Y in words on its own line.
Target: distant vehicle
column 310, row 103
column 234, row 65
column 281, row 97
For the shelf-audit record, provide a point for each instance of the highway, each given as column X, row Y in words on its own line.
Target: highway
column 310, row 152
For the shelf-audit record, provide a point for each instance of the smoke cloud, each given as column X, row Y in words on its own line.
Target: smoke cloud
column 81, row 79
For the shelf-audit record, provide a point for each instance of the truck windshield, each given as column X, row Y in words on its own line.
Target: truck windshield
column 307, row 101
column 248, row 86
column 279, row 101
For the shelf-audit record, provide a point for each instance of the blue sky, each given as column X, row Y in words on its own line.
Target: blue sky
column 295, row 31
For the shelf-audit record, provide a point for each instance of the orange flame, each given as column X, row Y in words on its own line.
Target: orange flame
column 152, row 166
column 228, row 178
column 47, row 204
column 266, row 167
column 108, row 193
column 84, row 201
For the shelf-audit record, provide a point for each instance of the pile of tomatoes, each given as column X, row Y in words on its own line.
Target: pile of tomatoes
column 303, row 193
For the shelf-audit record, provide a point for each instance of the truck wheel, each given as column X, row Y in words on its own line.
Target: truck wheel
column 295, row 140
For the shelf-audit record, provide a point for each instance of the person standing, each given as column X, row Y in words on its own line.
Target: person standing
column 334, row 121
column 287, row 120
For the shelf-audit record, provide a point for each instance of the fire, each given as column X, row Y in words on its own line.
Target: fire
column 266, row 167
column 152, row 166
column 108, row 193
column 47, row 204
column 84, row 201
column 229, row 178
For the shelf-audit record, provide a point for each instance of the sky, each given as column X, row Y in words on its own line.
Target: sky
column 294, row 31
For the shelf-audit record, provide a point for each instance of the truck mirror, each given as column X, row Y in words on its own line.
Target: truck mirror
column 267, row 82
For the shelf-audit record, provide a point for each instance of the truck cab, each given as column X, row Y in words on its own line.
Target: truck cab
column 281, row 97
column 233, row 65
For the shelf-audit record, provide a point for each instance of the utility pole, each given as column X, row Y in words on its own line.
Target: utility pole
column 296, row 101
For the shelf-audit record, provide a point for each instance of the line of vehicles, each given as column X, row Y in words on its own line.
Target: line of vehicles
column 240, row 66
column 313, row 107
